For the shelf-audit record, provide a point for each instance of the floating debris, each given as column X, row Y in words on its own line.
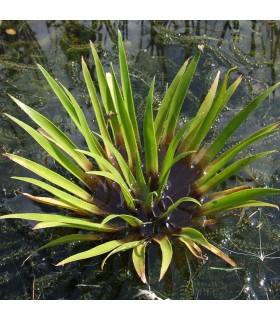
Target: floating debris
column 11, row 31
column 147, row 295
column 201, row 47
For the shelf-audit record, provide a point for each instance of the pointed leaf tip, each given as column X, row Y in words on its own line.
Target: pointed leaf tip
column 167, row 252
column 138, row 258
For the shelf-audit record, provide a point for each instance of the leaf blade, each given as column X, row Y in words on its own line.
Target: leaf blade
column 133, row 221
column 107, row 98
column 72, row 200
column 60, row 203
column 91, row 141
column 71, row 238
column 126, row 193
column 96, row 251
column 55, row 134
column 228, row 155
column 127, row 90
column 168, row 97
column 176, row 204
column 150, row 144
column 226, row 133
column 221, row 254
column 48, row 217
column 167, row 252
column 208, row 108
column 230, row 171
column 50, row 175
column 236, row 199
column 138, row 259
column 177, row 101
column 122, row 247
column 55, row 153
column 193, row 235
column 95, row 104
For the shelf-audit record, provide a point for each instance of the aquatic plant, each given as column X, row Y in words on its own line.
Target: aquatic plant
column 128, row 189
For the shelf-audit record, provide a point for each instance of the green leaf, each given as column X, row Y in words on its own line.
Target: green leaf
column 122, row 247
column 237, row 199
column 67, row 221
column 193, row 235
column 107, row 98
column 177, row 101
column 95, row 104
column 220, row 194
column 133, row 221
column 228, row 155
column 128, row 131
column 74, row 201
column 230, row 171
column 128, row 176
column 168, row 160
column 61, row 95
column 196, row 251
column 127, row 90
column 138, row 259
column 60, row 203
column 220, row 254
column 176, row 204
column 105, row 164
column 224, row 94
column 209, row 110
column 175, row 141
column 218, row 104
column 113, row 174
column 67, row 239
column 92, row 143
column 51, row 224
column 167, row 99
column 150, row 199
column 55, row 135
column 56, row 154
column 72, row 238
column 50, row 175
column 192, row 246
column 226, row 133
column 150, row 144
column 96, row 251
column 230, row 91
column 167, row 252
column 118, row 179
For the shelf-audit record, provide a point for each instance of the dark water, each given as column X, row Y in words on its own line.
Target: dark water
column 154, row 48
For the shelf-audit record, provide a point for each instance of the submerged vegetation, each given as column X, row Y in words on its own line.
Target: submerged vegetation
column 133, row 187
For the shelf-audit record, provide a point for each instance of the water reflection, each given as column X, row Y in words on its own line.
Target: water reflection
column 153, row 47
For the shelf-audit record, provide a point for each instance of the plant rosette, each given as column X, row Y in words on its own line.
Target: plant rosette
column 135, row 188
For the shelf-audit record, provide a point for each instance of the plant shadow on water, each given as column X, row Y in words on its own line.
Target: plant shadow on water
column 153, row 48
